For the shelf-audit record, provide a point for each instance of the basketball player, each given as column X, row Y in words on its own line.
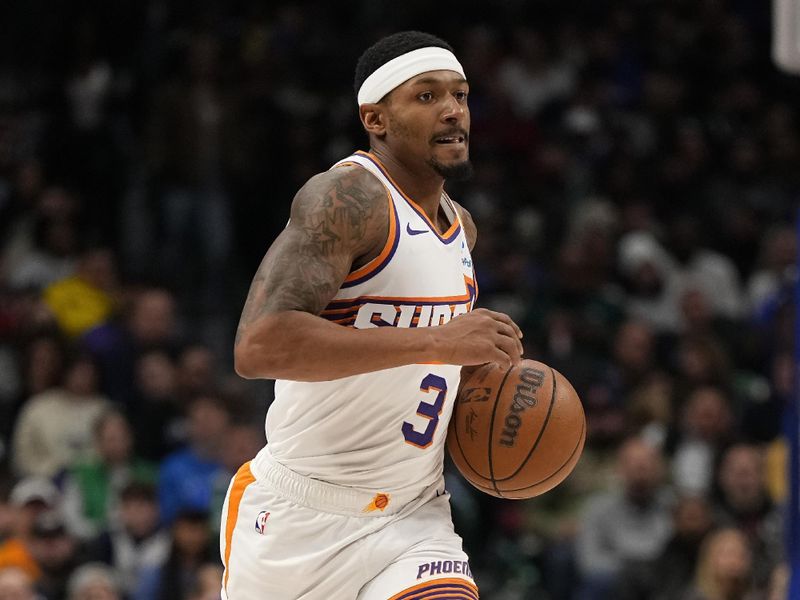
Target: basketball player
column 361, row 310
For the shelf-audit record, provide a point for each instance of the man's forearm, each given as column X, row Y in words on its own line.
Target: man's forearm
column 303, row 347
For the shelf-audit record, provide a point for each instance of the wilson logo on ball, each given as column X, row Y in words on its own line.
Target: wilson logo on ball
column 524, row 397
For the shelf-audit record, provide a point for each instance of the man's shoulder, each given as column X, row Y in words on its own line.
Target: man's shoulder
column 351, row 179
column 46, row 401
column 343, row 210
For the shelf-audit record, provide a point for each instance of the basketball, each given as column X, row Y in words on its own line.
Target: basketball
column 516, row 433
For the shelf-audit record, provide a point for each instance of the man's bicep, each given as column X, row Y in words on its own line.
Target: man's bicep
column 294, row 275
column 335, row 218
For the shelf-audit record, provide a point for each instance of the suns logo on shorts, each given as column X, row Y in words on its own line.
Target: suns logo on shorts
column 261, row 522
column 379, row 502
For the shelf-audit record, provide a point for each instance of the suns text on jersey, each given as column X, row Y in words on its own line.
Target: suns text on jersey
column 373, row 314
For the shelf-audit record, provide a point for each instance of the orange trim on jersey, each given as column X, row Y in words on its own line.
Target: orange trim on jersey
column 244, row 477
column 456, row 593
column 400, row 300
column 348, row 163
column 453, row 226
column 379, row 260
column 457, row 582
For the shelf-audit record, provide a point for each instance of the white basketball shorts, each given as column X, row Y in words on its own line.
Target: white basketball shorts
column 288, row 537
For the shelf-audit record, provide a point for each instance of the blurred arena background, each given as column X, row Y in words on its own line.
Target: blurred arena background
column 637, row 179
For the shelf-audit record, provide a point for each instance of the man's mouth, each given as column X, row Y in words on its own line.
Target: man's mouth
column 453, row 138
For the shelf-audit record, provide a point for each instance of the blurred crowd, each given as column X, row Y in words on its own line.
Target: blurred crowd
column 635, row 187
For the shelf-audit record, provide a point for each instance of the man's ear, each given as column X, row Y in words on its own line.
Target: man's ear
column 373, row 117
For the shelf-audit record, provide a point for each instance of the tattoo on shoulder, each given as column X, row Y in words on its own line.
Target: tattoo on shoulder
column 336, row 217
column 339, row 214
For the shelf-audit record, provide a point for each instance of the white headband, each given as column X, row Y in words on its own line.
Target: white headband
column 399, row 70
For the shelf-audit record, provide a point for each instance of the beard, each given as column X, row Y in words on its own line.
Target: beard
column 455, row 172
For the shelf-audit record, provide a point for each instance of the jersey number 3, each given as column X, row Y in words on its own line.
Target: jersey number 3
column 429, row 410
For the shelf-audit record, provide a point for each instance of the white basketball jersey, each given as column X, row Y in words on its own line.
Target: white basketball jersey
column 383, row 431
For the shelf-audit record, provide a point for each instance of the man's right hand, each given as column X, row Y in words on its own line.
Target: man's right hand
column 481, row 336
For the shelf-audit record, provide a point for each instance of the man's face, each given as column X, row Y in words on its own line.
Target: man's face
column 741, row 477
column 428, row 122
column 15, row 585
column 139, row 516
column 641, row 470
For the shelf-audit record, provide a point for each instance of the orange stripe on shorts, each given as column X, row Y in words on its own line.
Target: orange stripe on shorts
column 243, row 478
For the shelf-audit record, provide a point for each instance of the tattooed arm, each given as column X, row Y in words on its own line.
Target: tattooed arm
column 340, row 219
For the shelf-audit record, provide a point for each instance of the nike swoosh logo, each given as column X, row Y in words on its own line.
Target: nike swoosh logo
column 414, row 231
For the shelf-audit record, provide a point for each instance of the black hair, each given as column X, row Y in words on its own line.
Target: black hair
column 391, row 47
column 139, row 490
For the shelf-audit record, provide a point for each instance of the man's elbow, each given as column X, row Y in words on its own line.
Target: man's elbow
column 251, row 359
column 258, row 359
column 243, row 364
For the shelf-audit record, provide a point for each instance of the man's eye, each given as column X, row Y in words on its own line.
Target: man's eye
column 461, row 95
column 425, row 96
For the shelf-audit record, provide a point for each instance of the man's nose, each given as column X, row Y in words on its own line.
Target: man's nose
column 454, row 111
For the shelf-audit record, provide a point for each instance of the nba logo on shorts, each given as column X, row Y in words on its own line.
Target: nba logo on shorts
column 261, row 521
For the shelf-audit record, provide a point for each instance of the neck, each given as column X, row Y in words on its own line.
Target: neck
column 419, row 182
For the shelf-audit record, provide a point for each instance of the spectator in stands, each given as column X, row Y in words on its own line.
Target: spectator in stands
column 87, row 298
column 153, row 320
column 190, row 552
column 779, row 583
column 134, row 543
column 209, row 578
column 149, row 323
column 652, row 280
column 242, row 443
column 187, row 476
column 743, row 502
column 700, row 360
column 16, row 584
column 637, row 386
column 43, row 361
column 197, row 371
column 93, row 581
column 156, row 410
column 92, row 487
column 706, row 426
column 777, row 259
column 36, row 257
column 624, row 526
column 56, row 554
column 55, row 428
column 724, row 568
column 665, row 577
column 714, row 275
column 29, row 499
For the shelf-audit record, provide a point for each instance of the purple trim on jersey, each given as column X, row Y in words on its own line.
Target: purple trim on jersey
column 354, row 305
column 445, row 240
column 386, row 261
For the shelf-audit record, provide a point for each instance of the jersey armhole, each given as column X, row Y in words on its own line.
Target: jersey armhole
column 377, row 264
